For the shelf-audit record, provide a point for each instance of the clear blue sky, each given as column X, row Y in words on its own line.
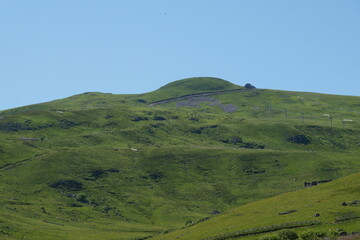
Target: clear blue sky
column 53, row 49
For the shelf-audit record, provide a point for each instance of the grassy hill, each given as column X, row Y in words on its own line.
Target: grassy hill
column 109, row 165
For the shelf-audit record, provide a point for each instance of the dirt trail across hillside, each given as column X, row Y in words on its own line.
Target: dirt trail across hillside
column 10, row 165
column 189, row 96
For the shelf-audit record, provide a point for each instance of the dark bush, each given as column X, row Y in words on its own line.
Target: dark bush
column 64, row 123
column 141, row 101
column 197, row 131
column 159, row 118
column 253, row 146
column 75, row 205
column 300, row 139
column 254, row 171
column 111, row 124
column 106, row 209
column 235, row 140
column 9, row 126
column 241, row 143
column 138, row 118
column 155, row 175
column 43, row 210
column 189, row 222
column 70, row 185
column 288, row 235
column 82, row 198
column 157, row 125
column 98, row 173
column 312, row 235
column 214, row 212
column 194, row 119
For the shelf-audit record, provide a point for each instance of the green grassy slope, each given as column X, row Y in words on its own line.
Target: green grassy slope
column 68, row 165
column 325, row 199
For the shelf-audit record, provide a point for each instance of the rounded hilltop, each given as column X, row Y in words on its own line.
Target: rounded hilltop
column 191, row 86
column 202, row 84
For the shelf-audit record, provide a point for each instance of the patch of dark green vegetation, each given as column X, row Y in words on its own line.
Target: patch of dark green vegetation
column 70, row 185
column 139, row 118
column 238, row 141
column 155, row 175
column 159, row 118
column 98, row 173
column 16, row 126
column 64, row 123
column 300, row 139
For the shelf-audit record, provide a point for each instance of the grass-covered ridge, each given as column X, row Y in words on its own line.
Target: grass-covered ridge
column 110, row 165
column 333, row 205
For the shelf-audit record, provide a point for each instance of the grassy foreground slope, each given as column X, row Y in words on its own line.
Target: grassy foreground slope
column 110, row 165
column 336, row 205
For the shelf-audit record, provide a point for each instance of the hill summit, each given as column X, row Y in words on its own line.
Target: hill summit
column 201, row 84
column 191, row 86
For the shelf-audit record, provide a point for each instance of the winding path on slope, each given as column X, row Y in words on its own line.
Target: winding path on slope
column 194, row 95
column 14, row 164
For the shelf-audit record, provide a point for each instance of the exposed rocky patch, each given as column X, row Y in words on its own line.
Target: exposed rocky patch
column 249, row 86
column 29, row 139
column 228, row 108
column 194, row 101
